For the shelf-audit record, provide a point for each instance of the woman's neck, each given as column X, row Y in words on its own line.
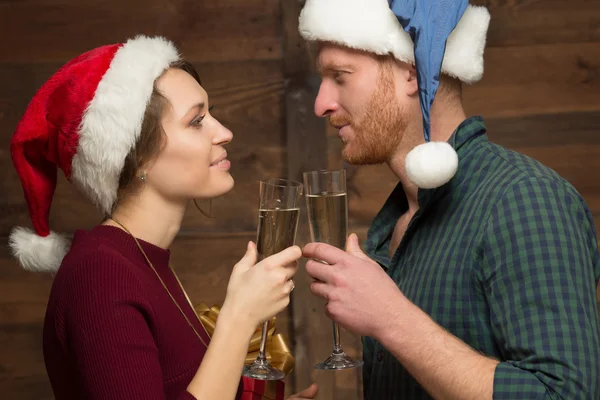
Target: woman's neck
column 149, row 217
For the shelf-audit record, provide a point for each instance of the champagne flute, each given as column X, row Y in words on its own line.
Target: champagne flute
column 278, row 213
column 327, row 207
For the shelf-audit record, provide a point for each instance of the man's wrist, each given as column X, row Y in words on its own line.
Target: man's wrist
column 389, row 325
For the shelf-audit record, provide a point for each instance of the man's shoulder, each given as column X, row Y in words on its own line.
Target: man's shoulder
column 509, row 183
column 507, row 168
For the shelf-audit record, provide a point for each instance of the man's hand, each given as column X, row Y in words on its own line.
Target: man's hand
column 357, row 290
column 308, row 393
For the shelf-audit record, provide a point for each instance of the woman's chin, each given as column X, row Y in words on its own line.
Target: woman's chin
column 230, row 184
column 216, row 189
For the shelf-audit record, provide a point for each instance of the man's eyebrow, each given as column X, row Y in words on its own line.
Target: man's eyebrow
column 329, row 67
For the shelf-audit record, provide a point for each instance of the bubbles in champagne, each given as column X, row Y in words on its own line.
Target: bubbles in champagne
column 276, row 230
column 328, row 218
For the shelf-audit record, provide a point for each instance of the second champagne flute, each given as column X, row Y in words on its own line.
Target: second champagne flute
column 327, row 208
column 278, row 213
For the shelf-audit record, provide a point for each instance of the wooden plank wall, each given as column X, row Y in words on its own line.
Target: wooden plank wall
column 236, row 46
column 540, row 95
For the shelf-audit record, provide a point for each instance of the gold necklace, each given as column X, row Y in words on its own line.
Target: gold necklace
column 167, row 289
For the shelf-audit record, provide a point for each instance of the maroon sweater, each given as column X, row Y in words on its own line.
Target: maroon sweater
column 111, row 330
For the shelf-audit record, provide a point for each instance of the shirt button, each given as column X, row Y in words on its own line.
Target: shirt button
column 380, row 356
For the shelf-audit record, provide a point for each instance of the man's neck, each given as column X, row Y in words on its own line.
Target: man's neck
column 149, row 217
column 443, row 124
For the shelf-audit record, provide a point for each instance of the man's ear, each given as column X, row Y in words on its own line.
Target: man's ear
column 412, row 84
column 406, row 75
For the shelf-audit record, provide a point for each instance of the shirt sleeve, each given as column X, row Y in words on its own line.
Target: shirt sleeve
column 540, row 270
column 110, row 342
column 368, row 364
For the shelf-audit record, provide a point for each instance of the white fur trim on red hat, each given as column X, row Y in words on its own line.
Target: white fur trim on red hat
column 37, row 253
column 111, row 125
column 84, row 120
column 370, row 25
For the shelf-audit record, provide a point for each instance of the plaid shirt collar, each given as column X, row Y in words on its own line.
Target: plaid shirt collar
column 465, row 139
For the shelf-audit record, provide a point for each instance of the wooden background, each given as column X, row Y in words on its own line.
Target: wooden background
column 540, row 95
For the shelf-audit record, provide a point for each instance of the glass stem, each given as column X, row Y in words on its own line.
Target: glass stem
column 337, row 348
column 263, row 343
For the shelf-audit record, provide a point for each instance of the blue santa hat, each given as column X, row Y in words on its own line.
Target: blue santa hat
column 437, row 36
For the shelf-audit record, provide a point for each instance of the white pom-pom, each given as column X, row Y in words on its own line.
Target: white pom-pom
column 430, row 165
column 37, row 253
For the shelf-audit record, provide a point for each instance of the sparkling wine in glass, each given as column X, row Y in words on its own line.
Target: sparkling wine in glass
column 327, row 208
column 278, row 213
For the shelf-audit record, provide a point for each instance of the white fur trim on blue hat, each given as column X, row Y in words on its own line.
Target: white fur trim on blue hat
column 370, row 25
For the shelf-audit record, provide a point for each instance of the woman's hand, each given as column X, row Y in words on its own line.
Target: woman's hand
column 308, row 393
column 258, row 291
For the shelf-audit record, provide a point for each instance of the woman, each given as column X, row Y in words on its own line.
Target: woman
column 129, row 125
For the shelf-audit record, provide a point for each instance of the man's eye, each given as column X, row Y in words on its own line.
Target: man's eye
column 338, row 76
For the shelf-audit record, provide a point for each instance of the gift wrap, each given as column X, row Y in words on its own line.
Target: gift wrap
column 277, row 352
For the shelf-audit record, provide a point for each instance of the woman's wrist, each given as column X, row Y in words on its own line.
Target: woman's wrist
column 222, row 364
column 230, row 319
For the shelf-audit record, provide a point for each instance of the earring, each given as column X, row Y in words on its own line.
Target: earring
column 143, row 177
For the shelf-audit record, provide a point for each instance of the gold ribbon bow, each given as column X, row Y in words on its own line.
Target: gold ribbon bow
column 278, row 351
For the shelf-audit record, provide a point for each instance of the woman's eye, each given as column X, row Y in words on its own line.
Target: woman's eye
column 197, row 121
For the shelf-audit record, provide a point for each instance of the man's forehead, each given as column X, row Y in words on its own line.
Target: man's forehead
column 332, row 57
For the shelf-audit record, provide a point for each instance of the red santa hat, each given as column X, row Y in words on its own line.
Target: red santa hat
column 372, row 26
column 84, row 120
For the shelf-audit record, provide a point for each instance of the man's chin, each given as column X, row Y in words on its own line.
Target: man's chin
column 358, row 159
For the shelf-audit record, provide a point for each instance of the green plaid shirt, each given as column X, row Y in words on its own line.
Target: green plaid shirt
column 505, row 257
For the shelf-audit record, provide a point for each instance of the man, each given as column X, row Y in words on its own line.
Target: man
column 480, row 273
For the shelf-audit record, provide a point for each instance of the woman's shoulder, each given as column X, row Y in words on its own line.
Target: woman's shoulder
column 95, row 261
column 97, row 283
column 94, row 251
column 96, row 275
